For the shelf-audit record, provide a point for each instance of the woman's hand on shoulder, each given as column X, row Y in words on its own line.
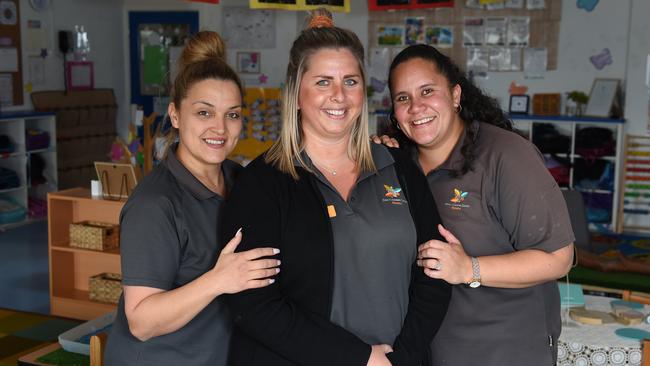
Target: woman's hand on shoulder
column 235, row 272
column 384, row 139
column 446, row 261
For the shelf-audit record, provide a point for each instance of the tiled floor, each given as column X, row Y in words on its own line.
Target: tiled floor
column 24, row 283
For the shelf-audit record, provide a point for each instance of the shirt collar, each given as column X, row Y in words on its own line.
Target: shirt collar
column 190, row 182
column 380, row 155
column 456, row 159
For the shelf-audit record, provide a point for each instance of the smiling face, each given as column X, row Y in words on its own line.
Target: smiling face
column 209, row 123
column 425, row 105
column 331, row 94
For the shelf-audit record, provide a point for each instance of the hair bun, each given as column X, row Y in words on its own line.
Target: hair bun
column 320, row 18
column 205, row 45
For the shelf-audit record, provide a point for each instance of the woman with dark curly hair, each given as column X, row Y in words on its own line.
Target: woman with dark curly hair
column 512, row 235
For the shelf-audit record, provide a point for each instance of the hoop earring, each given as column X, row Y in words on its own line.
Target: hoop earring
column 393, row 120
column 459, row 108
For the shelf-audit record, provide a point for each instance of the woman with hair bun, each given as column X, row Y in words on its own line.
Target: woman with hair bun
column 174, row 271
column 347, row 217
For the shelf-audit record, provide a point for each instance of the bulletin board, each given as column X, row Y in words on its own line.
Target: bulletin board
column 261, row 123
column 544, row 27
column 10, row 53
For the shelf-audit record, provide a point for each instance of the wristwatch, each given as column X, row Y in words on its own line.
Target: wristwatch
column 476, row 274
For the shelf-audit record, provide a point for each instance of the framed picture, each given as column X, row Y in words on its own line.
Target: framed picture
column 117, row 179
column 519, row 104
column 248, row 62
column 79, row 75
column 604, row 99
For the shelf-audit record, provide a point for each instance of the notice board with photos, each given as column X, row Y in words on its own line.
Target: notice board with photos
column 11, row 80
column 444, row 28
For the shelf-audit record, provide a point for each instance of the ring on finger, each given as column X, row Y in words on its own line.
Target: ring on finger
column 438, row 266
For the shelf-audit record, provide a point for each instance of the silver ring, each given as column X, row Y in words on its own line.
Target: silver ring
column 438, row 266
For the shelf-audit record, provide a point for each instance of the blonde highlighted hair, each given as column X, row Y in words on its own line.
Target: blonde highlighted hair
column 286, row 151
column 203, row 58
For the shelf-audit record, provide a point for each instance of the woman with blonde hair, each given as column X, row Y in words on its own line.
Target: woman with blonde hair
column 347, row 218
column 174, row 271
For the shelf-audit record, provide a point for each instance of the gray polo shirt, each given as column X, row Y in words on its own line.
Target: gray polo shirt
column 374, row 249
column 168, row 237
column 508, row 202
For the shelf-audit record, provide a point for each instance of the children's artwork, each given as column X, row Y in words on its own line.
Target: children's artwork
column 261, row 123
column 505, row 59
column 518, row 31
column 378, row 5
column 253, row 28
column 478, row 59
column 248, row 62
column 535, row 4
column 331, row 5
column 390, row 35
column 439, row 36
column 496, row 31
column 602, row 59
column 414, row 30
column 514, row 4
column 588, row 5
column 535, row 62
column 473, row 31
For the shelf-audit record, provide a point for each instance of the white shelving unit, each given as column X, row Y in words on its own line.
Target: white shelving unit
column 569, row 126
column 15, row 125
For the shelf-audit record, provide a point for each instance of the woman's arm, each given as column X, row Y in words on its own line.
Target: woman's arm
column 518, row 269
column 428, row 297
column 153, row 312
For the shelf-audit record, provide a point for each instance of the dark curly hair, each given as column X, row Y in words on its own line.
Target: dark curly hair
column 476, row 105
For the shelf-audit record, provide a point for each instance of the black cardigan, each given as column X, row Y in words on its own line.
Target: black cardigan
column 287, row 323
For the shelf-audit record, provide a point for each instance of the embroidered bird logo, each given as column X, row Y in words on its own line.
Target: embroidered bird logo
column 459, row 196
column 392, row 192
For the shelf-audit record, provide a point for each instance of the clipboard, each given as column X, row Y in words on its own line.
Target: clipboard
column 118, row 179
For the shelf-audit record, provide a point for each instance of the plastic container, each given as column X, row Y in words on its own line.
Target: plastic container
column 74, row 340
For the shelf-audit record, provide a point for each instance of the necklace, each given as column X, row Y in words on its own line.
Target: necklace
column 319, row 165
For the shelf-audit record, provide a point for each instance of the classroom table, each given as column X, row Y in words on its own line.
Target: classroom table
column 582, row 344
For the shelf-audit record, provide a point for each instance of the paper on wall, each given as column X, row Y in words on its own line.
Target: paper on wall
column 473, row 31
column 244, row 26
column 478, row 60
column 496, row 31
column 8, row 59
column 36, row 66
column 535, row 62
column 518, row 31
column 6, row 90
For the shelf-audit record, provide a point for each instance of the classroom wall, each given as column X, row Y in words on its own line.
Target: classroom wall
column 582, row 34
column 101, row 19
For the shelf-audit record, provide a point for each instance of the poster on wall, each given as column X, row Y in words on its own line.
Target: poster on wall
column 379, row 5
column 243, row 26
column 262, row 120
column 341, row 6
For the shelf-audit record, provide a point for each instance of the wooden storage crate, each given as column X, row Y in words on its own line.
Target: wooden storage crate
column 94, row 235
column 105, row 287
column 547, row 104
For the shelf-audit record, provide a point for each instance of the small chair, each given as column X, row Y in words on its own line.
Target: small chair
column 97, row 346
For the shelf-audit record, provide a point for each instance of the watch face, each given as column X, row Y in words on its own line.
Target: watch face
column 474, row 284
column 519, row 104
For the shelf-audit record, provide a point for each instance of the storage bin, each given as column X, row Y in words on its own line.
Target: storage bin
column 77, row 339
column 94, row 235
column 105, row 287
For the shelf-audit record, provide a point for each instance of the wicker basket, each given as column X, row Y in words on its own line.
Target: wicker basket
column 105, row 287
column 94, row 235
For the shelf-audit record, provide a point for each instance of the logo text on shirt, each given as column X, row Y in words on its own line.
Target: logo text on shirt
column 456, row 202
column 393, row 195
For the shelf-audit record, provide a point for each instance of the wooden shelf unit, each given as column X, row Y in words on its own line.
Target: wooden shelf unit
column 71, row 267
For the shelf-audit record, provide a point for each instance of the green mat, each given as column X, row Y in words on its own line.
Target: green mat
column 616, row 280
column 61, row 357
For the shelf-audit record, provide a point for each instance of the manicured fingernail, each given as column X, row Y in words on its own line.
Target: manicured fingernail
column 276, row 250
column 271, row 281
column 277, row 270
column 238, row 231
column 279, row 262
